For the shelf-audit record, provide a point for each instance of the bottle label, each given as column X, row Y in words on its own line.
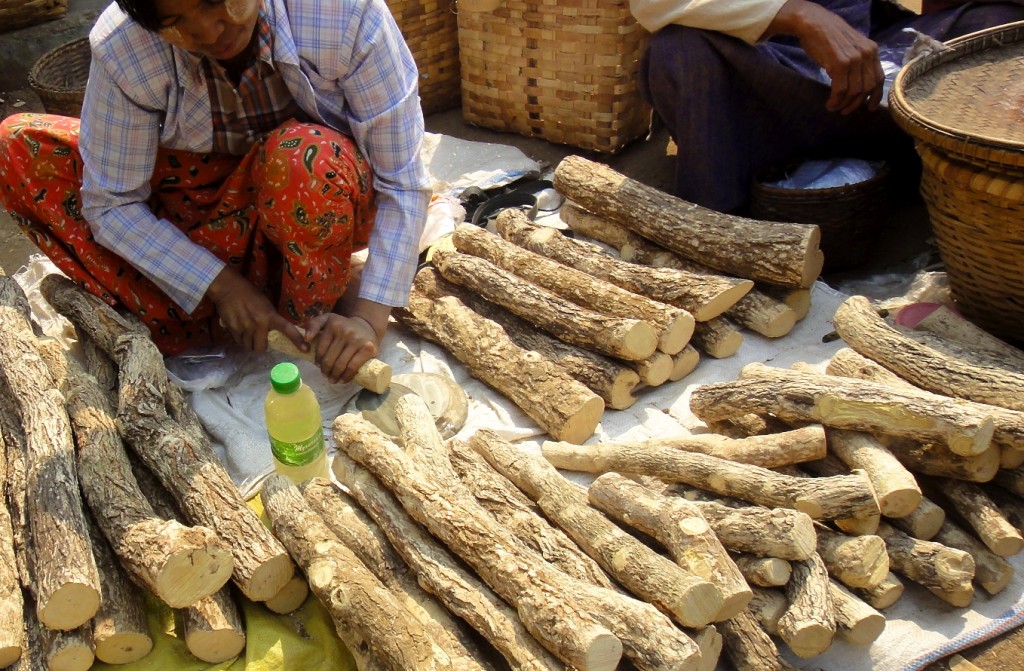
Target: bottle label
column 300, row 453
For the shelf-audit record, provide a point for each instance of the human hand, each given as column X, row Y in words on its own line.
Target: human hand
column 849, row 58
column 247, row 314
column 343, row 344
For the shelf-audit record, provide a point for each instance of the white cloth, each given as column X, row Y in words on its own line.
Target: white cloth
column 745, row 19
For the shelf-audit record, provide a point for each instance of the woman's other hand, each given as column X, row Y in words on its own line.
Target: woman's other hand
column 344, row 343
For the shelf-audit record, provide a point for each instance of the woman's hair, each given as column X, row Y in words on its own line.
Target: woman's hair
column 143, row 12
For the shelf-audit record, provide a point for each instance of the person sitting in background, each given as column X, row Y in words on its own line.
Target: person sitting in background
column 747, row 85
column 230, row 158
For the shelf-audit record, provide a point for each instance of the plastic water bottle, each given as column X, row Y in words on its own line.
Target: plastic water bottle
column 294, row 425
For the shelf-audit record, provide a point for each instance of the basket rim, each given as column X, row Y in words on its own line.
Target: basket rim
column 869, row 183
column 997, row 150
column 35, row 72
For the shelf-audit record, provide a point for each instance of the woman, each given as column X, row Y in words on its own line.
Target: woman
column 231, row 156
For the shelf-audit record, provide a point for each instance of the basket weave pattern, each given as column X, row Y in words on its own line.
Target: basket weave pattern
column 430, row 28
column 562, row 70
column 16, row 14
column 59, row 77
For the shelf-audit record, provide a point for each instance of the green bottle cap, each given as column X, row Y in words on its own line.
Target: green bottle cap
column 285, row 378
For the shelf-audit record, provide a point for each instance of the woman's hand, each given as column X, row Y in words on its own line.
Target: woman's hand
column 346, row 343
column 247, row 314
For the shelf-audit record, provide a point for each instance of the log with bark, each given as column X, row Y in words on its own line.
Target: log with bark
column 763, row 314
column 374, row 375
column 66, row 583
column 16, row 476
column 12, row 604
column 936, row 459
column 612, row 380
column 895, row 487
column 764, row 571
column 923, row 523
column 785, row 254
column 684, row 363
column 991, row 572
column 928, row 563
column 213, row 628
column 290, row 598
column 749, row 647
column 120, row 629
column 856, row 561
column 945, row 323
column 672, row 325
column 884, row 594
column 809, row 624
column 970, row 503
column 559, row 404
column 719, row 338
column 861, row 524
column 622, row 338
column 68, row 650
column 856, row 621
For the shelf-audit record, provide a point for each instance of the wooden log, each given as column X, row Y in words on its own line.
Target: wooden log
column 673, row 326
column 991, row 572
column 763, row 314
column 958, row 598
column 808, row 625
column 884, row 594
column 1011, row 480
column 355, row 598
column 356, row 529
column 290, row 598
column 762, row 532
column 961, row 351
column 958, row 663
column 768, row 451
column 767, row 606
column 846, row 403
column 655, row 370
column 541, row 593
column 559, row 404
column 187, row 467
column 923, row 523
column 68, row 650
column 764, row 571
column 861, row 327
column 12, row 605
column 179, row 564
column 895, row 487
column 443, row 575
column 981, row 514
column 786, row 254
column 946, row 324
column 521, row 516
column 848, row 362
column 856, row 561
column 213, row 628
column 629, row 339
column 927, row 563
column 66, row 582
column 856, row 622
column 936, row 459
column 15, row 484
column 796, row 299
column 1010, row 505
column 680, row 528
column 684, row 363
column 704, row 296
column 374, row 375
column 612, row 380
column 748, row 647
column 120, row 629
column 861, row 524
column 719, row 338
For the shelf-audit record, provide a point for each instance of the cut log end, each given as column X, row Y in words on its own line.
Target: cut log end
column 271, row 577
column 290, row 597
column 124, row 648
column 675, row 337
column 637, row 341
column 74, row 658
column 374, row 375
column 582, row 423
column 717, row 304
column 604, row 653
column 9, row 654
column 214, row 647
column 684, row 363
column 190, row 575
column 698, row 604
column 70, row 606
column 865, row 630
column 811, row 640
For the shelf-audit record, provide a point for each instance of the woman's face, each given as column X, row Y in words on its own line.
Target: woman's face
column 220, row 29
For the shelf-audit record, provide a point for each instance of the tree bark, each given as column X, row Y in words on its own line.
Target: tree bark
column 213, row 628
column 763, row 314
column 12, row 605
column 719, row 338
column 785, row 254
column 856, row 561
column 884, row 594
column 808, row 625
column 969, row 502
column 764, row 571
column 991, row 571
column 856, row 622
column 946, row 324
column 936, row 459
column 895, row 487
column 748, row 647
column 120, row 629
column 928, row 563
column 923, row 523
column 860, row 524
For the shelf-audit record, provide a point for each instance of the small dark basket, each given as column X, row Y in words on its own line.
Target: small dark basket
column 850, row 216
column 59, row 77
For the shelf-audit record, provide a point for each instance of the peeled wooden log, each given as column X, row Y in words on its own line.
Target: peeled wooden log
column 68, row 650
column 946, row 324
column 861, row 327
column 884, row 594
column 629, row 339
column 895, row 487
column 12, row 605
column 581, row 622
column 354, row 528
column 785, row 254
column 290, row 598
column 374, row 375
column 808, row 625
column 860, row 524
column 981, row 514
column 991, row 571
column 763, row 314
column 179, row 564
column 856, row 561
column 66, row 582
column 719, row 338
column 120, row 629
column 846, row 403
column 768, row 451
column 610, row 379
column 923, row 523
column 672, row 325
column 213, row 628
column 680, row 528
column 187, row 467
column 856, row 621
column 520, row 516
column 559, row 404
column 705, row 296
column 355, row 598
column 764, row 571
column 748, row 647
column 928, row 563
column 936, row 459
column 442, row 574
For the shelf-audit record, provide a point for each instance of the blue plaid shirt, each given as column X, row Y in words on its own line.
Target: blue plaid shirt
column 347, row 66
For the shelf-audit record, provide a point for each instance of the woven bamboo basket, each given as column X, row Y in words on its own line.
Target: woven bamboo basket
column 431, row 31
column 849, row 216
column 564, row 71
column 962, row 105
column 59, row 77
column 16, row 14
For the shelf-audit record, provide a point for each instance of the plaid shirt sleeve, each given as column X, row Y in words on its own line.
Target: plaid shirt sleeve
column 119, row 137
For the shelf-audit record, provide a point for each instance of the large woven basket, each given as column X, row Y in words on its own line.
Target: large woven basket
column 963, row 105
column 59, row 77
column 431, row 31
column 564, row 71
column 16, row 14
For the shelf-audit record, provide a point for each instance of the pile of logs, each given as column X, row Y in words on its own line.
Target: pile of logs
column 564, row 329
